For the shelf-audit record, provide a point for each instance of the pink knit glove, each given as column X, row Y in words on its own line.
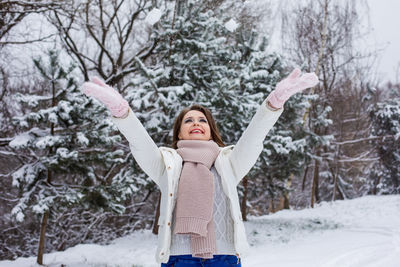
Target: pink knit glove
column 294, row 83
column 107, row 95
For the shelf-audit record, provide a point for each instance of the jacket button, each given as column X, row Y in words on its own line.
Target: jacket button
column 170, row 194
column 162, row 253
column 169, row 223
column 169, row 167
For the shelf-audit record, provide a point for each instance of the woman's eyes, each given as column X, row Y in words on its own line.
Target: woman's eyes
column 191, row 120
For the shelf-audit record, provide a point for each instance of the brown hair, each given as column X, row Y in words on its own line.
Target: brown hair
column 215, row 135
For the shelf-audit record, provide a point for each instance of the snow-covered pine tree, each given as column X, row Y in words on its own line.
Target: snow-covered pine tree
column 386, row 125
column 68, row 149
column 231, row 73
column 191, row 67
column 283, row 153
column 195, row 66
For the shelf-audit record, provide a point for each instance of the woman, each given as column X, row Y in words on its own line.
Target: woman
column 200, row 222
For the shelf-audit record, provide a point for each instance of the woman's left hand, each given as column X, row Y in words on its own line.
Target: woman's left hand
column 294, row 83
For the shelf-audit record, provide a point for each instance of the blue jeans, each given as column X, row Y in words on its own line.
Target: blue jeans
column 216, row 261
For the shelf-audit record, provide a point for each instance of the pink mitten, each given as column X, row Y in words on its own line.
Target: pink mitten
column 107, row 95
column 294, row 83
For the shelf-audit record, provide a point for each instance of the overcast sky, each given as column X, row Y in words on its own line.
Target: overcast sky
column 385, row 20
column 384, row 34
column 382, row 23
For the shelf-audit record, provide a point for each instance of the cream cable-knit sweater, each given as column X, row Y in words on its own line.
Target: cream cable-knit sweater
column 181, row 244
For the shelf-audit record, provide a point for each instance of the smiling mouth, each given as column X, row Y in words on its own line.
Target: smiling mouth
column 196, row 132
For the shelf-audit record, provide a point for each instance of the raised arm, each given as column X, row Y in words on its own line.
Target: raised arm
column 250, row 144
column 144, row 150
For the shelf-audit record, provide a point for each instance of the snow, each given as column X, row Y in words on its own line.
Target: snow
column 53, row 118
column 26, row 173
column 153, row 16
column 231, row 25
column 82, row 139
column 359, row 232
column 48, row 141
column 348, row 233
column 64, row 153
column 17, row 211
column 21, row 140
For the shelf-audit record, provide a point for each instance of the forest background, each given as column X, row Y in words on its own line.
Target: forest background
column 67, row 175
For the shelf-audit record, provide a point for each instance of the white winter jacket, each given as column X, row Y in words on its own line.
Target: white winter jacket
column 163, row 165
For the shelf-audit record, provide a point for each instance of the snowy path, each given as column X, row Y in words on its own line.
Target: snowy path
column 338, row 248
column 363, row 232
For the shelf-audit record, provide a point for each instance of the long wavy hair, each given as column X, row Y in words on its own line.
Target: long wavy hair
column 215, row 135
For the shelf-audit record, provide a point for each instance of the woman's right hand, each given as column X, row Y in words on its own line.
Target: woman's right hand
column 118, row 106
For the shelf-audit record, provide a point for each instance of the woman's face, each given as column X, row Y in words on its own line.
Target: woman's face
column 194, row 126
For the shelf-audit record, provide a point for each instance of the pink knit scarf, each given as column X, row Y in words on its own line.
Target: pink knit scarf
column 194, row 207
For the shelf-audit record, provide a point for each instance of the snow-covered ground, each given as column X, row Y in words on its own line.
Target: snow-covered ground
column 360, row 232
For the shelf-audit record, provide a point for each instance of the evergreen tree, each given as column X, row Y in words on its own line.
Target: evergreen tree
column 68, row 150
column 192, row 67
column 200, row 61
column 386, row 124
column 283, row 153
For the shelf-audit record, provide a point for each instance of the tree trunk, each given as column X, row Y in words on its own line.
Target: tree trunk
column 155, row 224
column 335, row 187
column 42, row 237
column 303, row 185
column 320, row 54
column 339, row 191
column 377, row 181
column 285, row 198
column 244, row 200
column 283, row 202
column 335, row 173
column 271, row 207
column 314, row 189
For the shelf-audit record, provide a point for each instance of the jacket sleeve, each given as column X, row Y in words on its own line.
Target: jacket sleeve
column 144, row 150
column 249, row 147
